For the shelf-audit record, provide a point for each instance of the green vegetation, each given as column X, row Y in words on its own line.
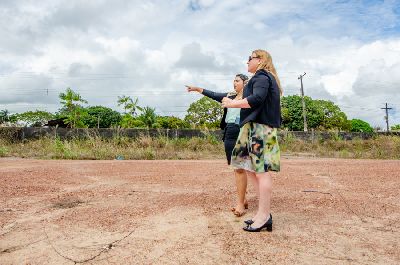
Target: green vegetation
column 321, row 115
column 380, row 147
column 32, row 118
column 204, row 113
column 3, row 151
column 360, row 126
column 101, row 117
column 130, row 105
column 73, row 112
column 170, row 122
column 148, row 117
column 4, row 116
column 395, row 127
column 145, row 147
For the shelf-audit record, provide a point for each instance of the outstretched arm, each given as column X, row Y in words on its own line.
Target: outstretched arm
column 232, row 103
column 194, row 89
column 208, row 93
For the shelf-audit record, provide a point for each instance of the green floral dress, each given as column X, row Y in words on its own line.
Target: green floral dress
column 256, row 148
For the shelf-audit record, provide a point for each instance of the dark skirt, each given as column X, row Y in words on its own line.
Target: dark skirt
column 230, row 136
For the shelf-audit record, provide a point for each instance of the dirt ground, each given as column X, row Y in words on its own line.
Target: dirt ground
column 326, row 211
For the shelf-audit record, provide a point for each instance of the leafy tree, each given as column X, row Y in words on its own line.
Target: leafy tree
column 130, row 105
column 333, row 117
column 71, row 109
column 170, row 122
column 395, row 127
column 4, row 116
column 204, row 112
column 321, row 114
column 358, row 125
column 33, row 118
column 102, row 117
column 75, row 119
column 69, row 99
column 128, row 121
column 149, row 117
column 292, row 113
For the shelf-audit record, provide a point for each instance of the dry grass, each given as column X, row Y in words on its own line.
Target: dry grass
column 145, row 147
column 381, row 147
column 97, row 148
column 67, row 203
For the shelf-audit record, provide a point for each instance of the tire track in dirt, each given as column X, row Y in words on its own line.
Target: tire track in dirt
column 177, row 212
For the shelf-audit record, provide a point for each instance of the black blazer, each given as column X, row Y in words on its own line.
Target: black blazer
column 262, row 93
column 218, row 97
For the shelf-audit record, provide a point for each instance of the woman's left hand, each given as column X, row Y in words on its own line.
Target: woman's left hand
column 226, row 102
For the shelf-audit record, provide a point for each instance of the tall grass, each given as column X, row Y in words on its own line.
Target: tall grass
column 143, row 147
column 146, row 147
column 380, row 147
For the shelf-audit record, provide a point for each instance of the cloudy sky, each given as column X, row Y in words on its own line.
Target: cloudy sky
column 150, row 49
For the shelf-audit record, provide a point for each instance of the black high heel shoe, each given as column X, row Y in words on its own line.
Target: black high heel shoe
column 250, row 222
column 267, row 225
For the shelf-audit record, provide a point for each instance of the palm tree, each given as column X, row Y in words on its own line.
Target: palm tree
column 129, row 104
column 148, row 117
column 124, row 100
column 4, row 116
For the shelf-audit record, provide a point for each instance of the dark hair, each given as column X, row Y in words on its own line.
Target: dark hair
column 243, row 77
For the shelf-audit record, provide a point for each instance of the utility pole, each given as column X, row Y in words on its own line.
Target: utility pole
column 302, row 98
column 387, row 117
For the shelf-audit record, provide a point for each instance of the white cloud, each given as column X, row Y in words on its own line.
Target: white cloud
column 118, row 48
column 151, row 49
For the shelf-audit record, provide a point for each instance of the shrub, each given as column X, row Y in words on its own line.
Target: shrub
column 358, row 125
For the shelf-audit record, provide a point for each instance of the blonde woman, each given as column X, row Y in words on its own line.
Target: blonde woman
column 230, row 125
column 257, row 150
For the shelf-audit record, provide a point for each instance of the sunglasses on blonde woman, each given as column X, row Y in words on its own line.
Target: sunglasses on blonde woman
column 251, row 58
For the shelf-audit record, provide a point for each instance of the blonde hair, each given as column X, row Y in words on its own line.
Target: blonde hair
column 267, row 65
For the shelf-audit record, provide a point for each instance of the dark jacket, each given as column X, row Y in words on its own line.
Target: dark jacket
column 218, row 97
column 262, row 93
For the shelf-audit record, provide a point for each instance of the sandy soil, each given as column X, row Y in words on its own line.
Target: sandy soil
column 326, row 211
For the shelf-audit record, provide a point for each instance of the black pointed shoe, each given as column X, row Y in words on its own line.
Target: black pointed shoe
column 250, row 222
column 267, row 226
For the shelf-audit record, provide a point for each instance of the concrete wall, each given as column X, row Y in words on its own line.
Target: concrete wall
column 22, row 133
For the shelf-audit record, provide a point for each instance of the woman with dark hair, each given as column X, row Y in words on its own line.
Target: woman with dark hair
column 230, row 125
column 257, row 150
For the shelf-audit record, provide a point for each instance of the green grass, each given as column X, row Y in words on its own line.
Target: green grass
column 145, row 147
column 3, row 151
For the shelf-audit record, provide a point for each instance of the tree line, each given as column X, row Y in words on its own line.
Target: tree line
column 321, row 115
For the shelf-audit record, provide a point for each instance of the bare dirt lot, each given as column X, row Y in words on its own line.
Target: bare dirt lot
column 326, row 211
